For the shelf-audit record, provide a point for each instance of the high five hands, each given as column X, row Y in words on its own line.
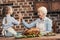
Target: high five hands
column 20, row 16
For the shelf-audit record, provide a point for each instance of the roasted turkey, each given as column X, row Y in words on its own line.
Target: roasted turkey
column 31, row 31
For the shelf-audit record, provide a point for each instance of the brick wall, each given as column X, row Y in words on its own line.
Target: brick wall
column 25, row 7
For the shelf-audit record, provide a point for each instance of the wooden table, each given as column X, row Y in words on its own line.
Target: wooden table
column 57, row 37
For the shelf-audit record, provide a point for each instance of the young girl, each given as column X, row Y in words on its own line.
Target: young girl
column 9, row 21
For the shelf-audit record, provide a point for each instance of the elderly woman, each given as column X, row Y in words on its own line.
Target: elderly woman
column 43, row 23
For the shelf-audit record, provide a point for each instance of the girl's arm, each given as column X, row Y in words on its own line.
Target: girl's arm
column 3, row 22
column 14, row 21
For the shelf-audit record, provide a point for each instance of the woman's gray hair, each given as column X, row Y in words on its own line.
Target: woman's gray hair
column 43, row 9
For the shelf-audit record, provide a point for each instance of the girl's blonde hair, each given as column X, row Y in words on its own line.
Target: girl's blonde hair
column 5, row 10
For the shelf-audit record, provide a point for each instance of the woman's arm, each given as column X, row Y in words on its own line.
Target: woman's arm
column 29, row 25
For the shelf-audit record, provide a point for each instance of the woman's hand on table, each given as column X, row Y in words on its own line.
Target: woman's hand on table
column 50, row 34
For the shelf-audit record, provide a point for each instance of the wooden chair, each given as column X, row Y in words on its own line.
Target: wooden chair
column 1, row 31
column 54, row 26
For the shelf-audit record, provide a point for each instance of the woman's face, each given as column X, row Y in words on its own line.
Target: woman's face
column 41, row 14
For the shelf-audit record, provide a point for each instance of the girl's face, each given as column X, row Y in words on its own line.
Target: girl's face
column 9, row 10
